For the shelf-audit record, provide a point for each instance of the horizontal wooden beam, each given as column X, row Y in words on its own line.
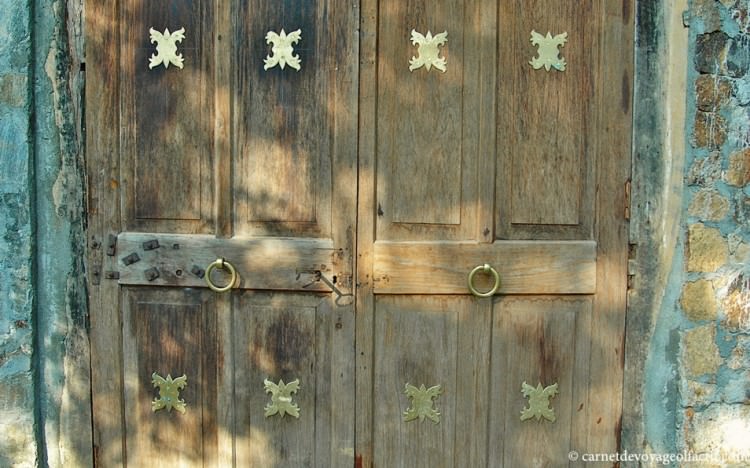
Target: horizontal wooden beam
column 525, row 267
column 276, row 264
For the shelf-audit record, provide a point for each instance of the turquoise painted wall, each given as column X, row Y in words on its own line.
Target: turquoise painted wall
column 44, row 382
column 17, row 381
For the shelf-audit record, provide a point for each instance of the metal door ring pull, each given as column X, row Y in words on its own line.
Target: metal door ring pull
column 221, row 264
column 486, row 268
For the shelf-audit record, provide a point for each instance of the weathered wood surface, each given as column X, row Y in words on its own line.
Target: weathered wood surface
column 540, row 189
column 553, row 334
column 171, row 333
column 261, row 263
column 225, row 160
column 102, row 167
column 525, row 267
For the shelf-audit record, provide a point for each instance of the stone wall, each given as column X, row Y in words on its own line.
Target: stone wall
column 714, row 360
column 697, row 373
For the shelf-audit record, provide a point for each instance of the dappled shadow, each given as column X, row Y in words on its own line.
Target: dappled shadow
column 229, row 150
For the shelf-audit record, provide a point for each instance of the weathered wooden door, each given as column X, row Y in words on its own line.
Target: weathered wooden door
column 418, row 174
column 491, row 162
column 216, row 157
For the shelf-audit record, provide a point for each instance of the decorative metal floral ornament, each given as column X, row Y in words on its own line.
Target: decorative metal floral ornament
column 166, row 48
column 539, row 405
column 281, row 398
column 421, row 403
column 428, row 51
column 169, row 392
column 549, row 55
column 283, row 50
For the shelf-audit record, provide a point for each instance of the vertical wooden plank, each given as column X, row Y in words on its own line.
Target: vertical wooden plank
column 366, row 209
column 344, row 76
column 474, row 354
column 613, row 120
column 102, row 145
column 225, row 400
column 222, row 181
column 486, row 28
column 222, row 150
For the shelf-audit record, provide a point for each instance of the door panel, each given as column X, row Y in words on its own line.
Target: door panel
column 437, row 340
column 425, row 125
column 167, row 120
column 284, row 121
column 538, row 340
column 171, row 333
column 284, row 337
column 547, row 135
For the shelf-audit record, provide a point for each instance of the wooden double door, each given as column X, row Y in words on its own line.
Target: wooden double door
column 353, row 195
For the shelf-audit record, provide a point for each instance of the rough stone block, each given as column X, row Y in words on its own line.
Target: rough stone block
column 700, row 354
column 698, row 300
column 13, row 89
column 707, row 249
column 738, row 172
column 709, row 205
column 712, row 92
column 710, row 130
column 738, row 57
column 708, row 12
column 721, row 429
column 705, row 171
column 698, row 393
column 737, row 311
column 740, row 357
column 710, row 52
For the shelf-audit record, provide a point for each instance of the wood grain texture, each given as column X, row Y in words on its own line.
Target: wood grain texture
column 428, row 341
column 546, row 132
column 614, row 78
column 427, row 123
column 283, row 337
column 170, row 333
column 525, row 267
column 366, row 212
column 534, row 341
column 102, row 167
column 284, row 121
column 168, row 119
column 264, row 263
column 344, row 20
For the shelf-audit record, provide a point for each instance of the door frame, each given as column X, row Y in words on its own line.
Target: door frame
column 654, row 134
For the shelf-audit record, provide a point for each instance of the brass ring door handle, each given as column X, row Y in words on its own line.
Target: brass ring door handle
column 486, row 268
column 221, row 264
